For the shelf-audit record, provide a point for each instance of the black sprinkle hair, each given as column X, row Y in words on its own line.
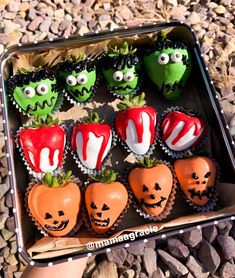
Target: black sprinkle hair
column 21, row 79
column 119, row 62
column 68, row 66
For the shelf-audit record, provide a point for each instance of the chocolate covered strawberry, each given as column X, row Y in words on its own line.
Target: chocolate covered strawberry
column 181, row 131
column 136, row 123
column 92, row 141
column 43, row 144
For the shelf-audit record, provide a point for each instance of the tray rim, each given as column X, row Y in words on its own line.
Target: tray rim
column 155, row 26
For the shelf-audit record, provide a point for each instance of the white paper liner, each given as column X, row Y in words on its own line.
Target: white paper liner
column 210, row 205
column 82, row 167
column 38, row 225
column 183, row 153
column 170, row 200
column 32, row 172
column 114, row 227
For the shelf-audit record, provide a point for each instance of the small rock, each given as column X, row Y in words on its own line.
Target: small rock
column 129, row 260
column 63, row 25
column 129, row 273
column 193, row 18
column 33, row 25
column 192, row 238
column 6, row 234
column 175, row 266
column 174, row 3
column 136, row 267
column 3, row 243
column 3, row 218
column 3, row 208
column 158, row 273
column 3, row 187
column 210, row 233
column 8, row 200
column 117, row 256
column 24, row 6
column 220, row 9
column 227, row 245
column 68, row 17
column 151, row 244
column 45, row 25
column 105, row 269
column 227, row 270
column 224, row 230
column 8, row 270
column 3, row 161
column 8, row 15
column 125, row 13
column 106, row 6
column 92, row 24
column 4, row 39
column 59, row 13
column 55, row 27
column 177, row 248
column 17, row 274
column 11, row 260
column 209, row 257
column 143, row 275
column 13, row 7
column 32, row 13
column 13, row 247
column 5, row 251
column 136, row 249
column 196, row 268
column 76, row 3
column 150, row 260
column 10, row 224
column 4, row 171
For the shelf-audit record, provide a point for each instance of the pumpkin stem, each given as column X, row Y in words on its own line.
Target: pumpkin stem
column 76, row 59
column 46, row 121
column 56, row 181
column 107, row 176
column 132, row 101
column 93, row 118
column 147, row 162
column 124, row 49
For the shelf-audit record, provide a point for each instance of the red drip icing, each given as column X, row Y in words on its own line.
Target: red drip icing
column 35, row 139
column 174, row 118
column 98, row 130
column 135, row 114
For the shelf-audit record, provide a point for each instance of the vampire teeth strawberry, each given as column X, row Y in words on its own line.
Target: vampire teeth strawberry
column 136, row 123
column 181, row 131
column 91, row 141
column 43, row 144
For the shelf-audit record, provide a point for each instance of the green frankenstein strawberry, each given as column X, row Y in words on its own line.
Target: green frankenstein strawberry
column 168, row 65
column 121, row 68
column 77, row 78
column 34, row 91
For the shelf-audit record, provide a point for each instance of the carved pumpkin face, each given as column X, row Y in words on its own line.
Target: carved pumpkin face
column 104, row 203
column 152, row 187
column 196, row 177
column 56, row 209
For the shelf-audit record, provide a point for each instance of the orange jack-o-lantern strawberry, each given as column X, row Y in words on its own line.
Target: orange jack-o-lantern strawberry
column 152, row 185
column 196, row 177
column 105, row 201
column 55, row 204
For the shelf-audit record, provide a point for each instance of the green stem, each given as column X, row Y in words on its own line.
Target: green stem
column 132, row 101
column 124, row 49
column 147, row 162
column 56, row 181
column 93, row 118
column 107, row 176
column 47, row 121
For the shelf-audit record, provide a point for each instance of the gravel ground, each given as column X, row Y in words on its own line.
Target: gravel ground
column 200, row 253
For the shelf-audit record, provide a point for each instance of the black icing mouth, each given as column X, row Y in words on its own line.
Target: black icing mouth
column 61, row 227
column 41, row 105
column 171, row 88
column 100, row 222
column 200, row 194
column 119, row 88
column 158, row 204
column 76, row 93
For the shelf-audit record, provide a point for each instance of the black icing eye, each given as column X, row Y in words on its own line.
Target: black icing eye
column 157, row 186
column 93, row 206
column 207, row 174
column 60, row 212
column 48, row 216
column 194, row 176
column 145, row 188
column 198, row 182
column 105, row 207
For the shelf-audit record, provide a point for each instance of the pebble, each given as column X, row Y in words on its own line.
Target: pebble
column 177, row 248
column 125, row 13
column 59, row 14
column 13, row 7
column 150, row 260
column 192, row 238
column 175, row 266
column 10, row 224
column 3, row 218
column 33, row 25
column 136, row 267
column 105, row 270
column 32, row 13
column 209, row 257
column 196, row 268
column 3, row 243
column 158, row 273
column 6, row 234
column 210, row 233
column 129, row 259
column 227, row 245
column 220, row 9
column 117, row 256
column 4, row 187
column 63, row 25
column 54, row 27
column 8, row 270
column 11, row 260
column 45, row 25
column 136, row 249
column 129, row 273
column 193, row 18
column 8, row 15
column 227, row 270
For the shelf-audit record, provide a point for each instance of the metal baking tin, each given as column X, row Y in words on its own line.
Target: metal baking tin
column 211, row 101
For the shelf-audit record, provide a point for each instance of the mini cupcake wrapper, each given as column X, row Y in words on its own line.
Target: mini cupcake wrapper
column 213, row 200
column 32, row 172
column 38, row 225
column 90, row 99
column 56, row 108
column 192, row 149
column 170, row 201
column 82, row 167
column 114, row 227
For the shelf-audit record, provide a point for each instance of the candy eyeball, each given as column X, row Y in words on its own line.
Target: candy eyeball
column 29, row 92
column 71, row 80
column 163, row 59
column 118, row 76
column 42, row 89
column 129, row 76
column 176, row 57
column 82, row 78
